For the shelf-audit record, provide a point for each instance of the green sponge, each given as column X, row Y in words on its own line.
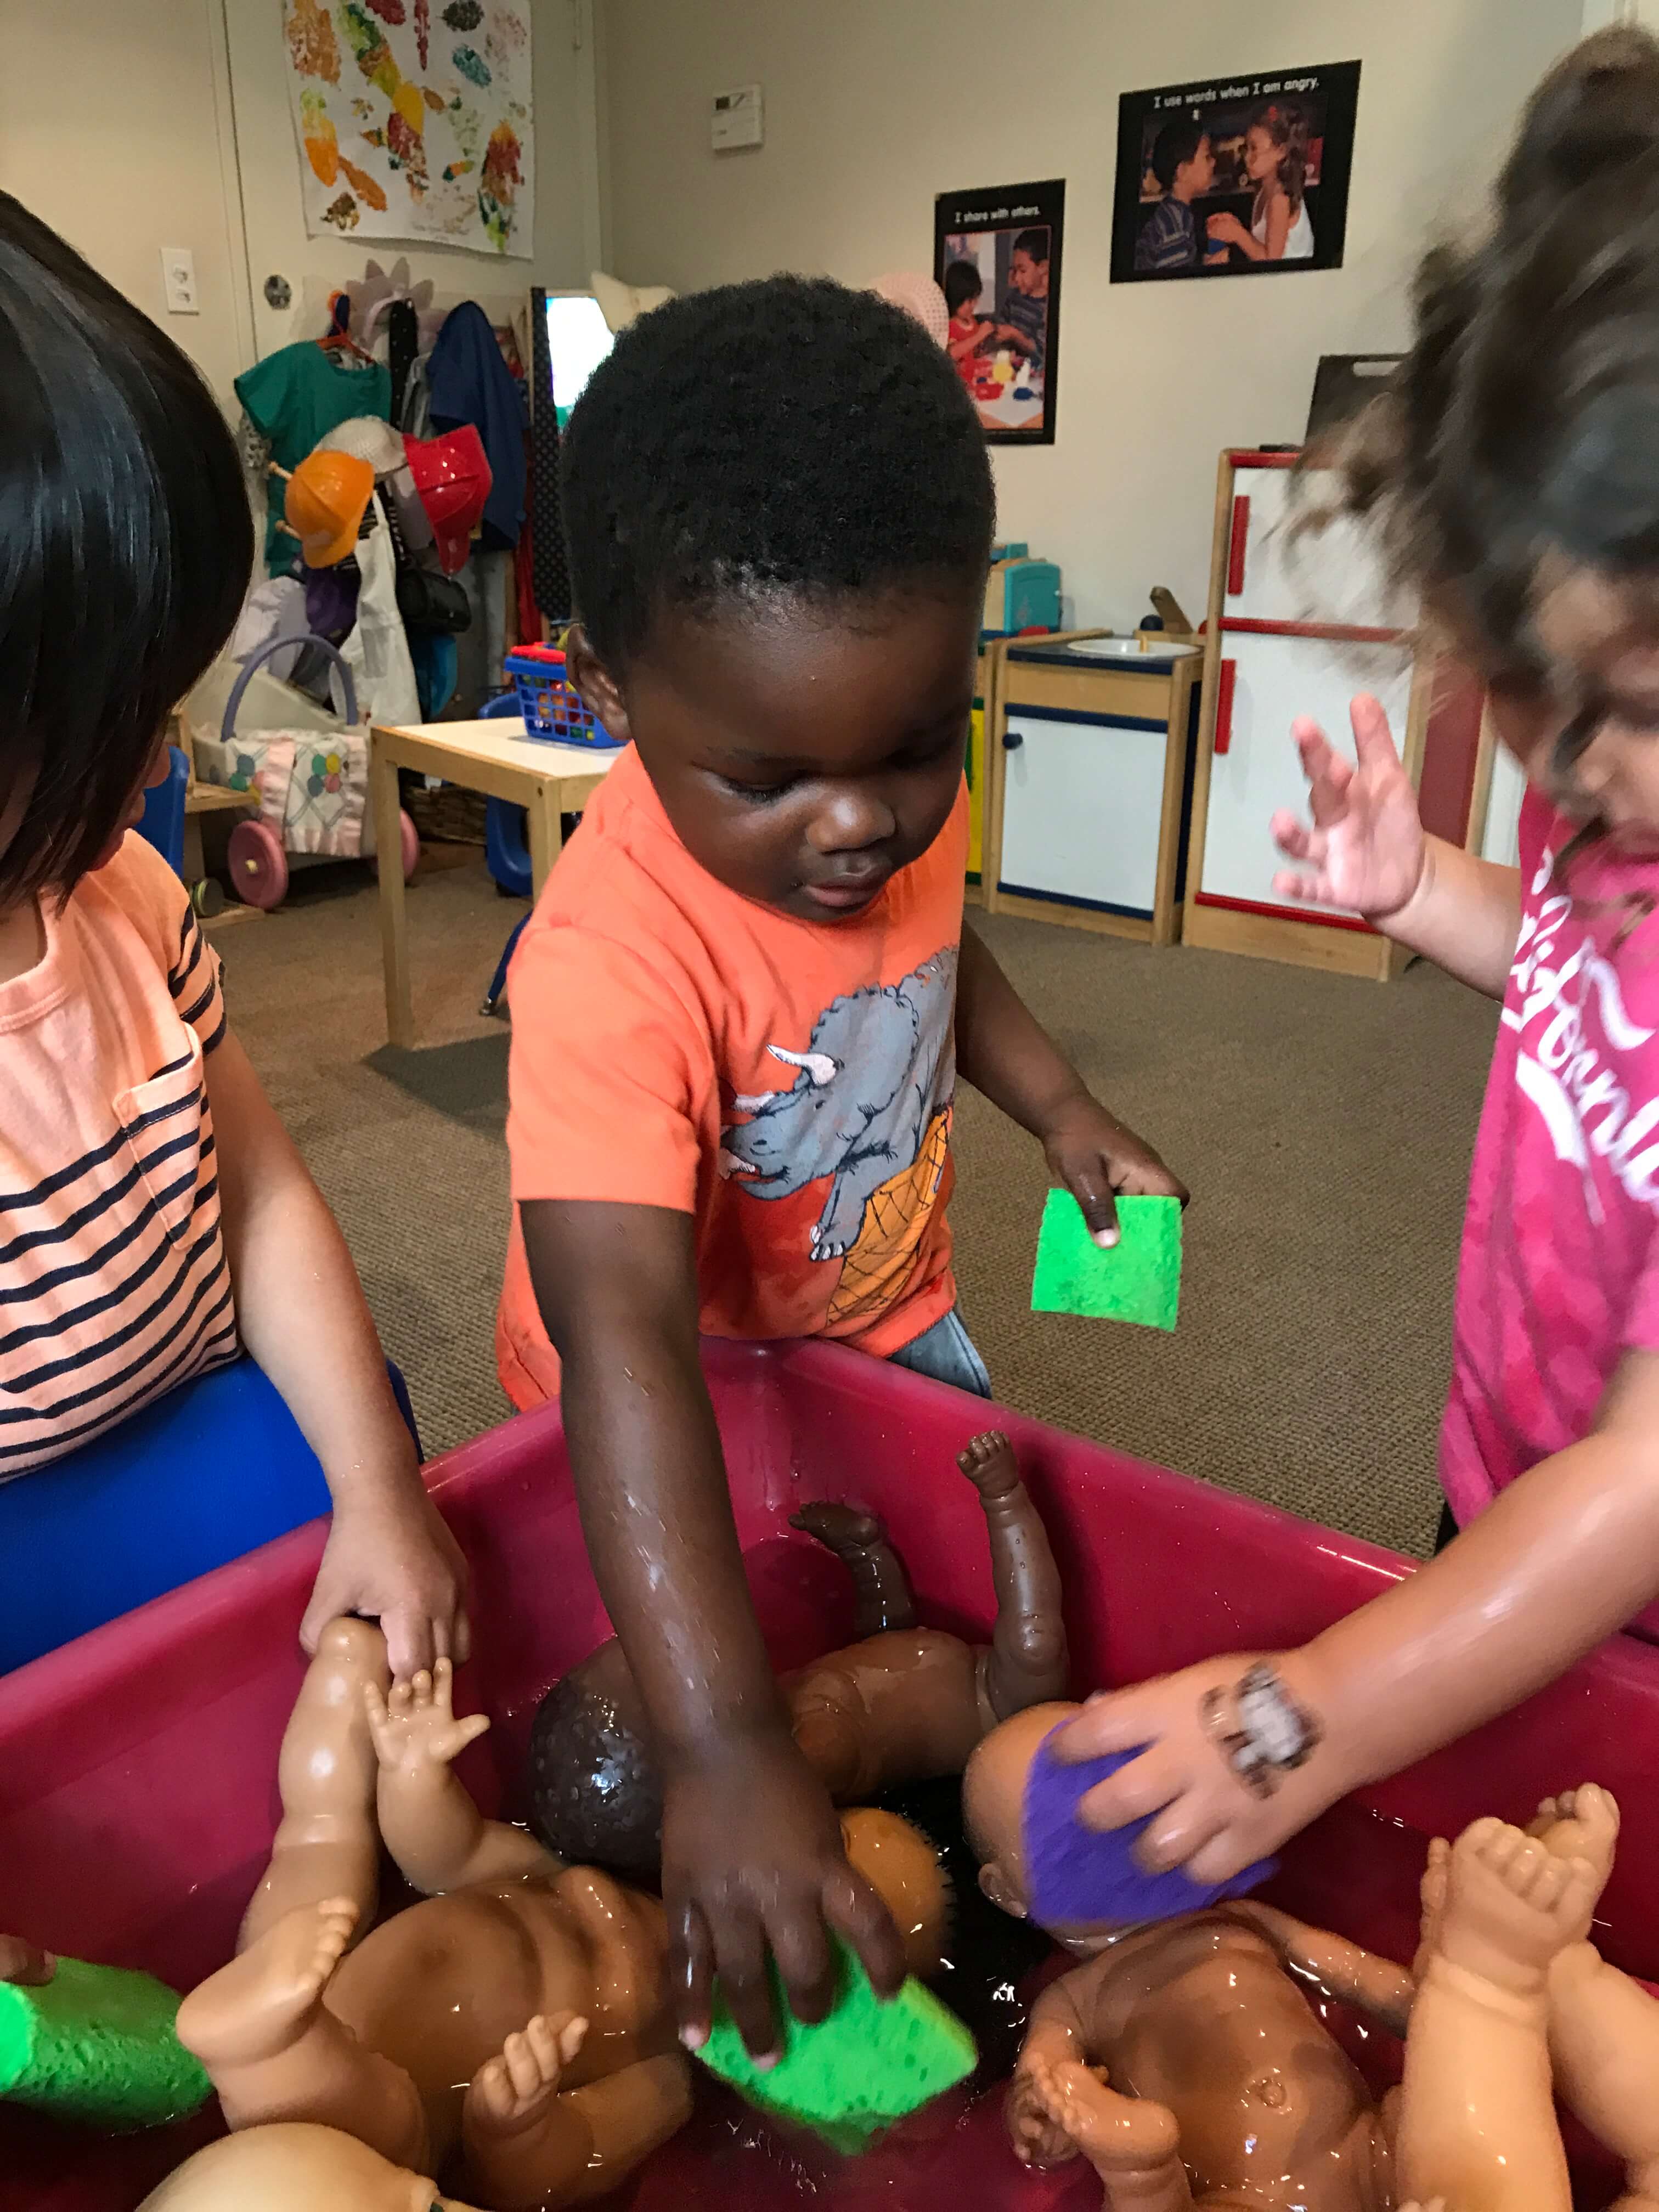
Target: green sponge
column 865, row 2066
column 1138, row 1278
column 98, row 2044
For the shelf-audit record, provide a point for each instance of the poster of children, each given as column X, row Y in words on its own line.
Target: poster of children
column 1231, row 177
column 996, row 256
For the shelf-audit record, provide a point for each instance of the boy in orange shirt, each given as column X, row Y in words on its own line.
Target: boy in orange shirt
column 739, row 1011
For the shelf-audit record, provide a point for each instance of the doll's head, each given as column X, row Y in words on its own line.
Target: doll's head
column 993, row 1798
column 902, row 1867
column 295, row 2168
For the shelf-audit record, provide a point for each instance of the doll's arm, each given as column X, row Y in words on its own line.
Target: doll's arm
column 1376, row 1987
column 528, row 2144
column 429, row 1824
column 1604, row 2045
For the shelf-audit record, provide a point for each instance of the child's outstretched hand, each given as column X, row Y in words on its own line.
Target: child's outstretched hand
column 1208, row 1819
column 1097, row 1157
column 391, row 1558
column 1365, row 848
column 25, row 1964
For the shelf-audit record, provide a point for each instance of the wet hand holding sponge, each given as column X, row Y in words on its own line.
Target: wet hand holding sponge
column 97, row 2044
column 1138, row 1278
column 859, row 2069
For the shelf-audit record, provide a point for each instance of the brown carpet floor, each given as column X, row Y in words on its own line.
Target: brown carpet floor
column 1323, row 1125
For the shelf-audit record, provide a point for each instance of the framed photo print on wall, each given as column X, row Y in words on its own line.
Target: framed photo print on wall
column 996, row 258
column 1234, row 176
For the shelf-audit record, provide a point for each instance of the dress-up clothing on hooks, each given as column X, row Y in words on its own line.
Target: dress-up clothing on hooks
column 295, row 396
column 468, row 381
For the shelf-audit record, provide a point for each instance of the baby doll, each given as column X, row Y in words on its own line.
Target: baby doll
column 517, row 2020
column 903, row 1705
column 1237, row 2092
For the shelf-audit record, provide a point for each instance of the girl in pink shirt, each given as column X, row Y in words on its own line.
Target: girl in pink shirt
column 1514, row 469
column 154, row 1218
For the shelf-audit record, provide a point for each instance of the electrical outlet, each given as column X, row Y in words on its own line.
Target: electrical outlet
column 178, row 280
column 737, row 119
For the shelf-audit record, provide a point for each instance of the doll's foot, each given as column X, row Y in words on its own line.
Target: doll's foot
column 1512, row 1907
column 989, row 1464
column 1121, row 2136
column 510, row 2089
column 1039, row 2139
column 1432, row 1898
column 1580, row 1824
column 858, row 1540
column 263, row 2002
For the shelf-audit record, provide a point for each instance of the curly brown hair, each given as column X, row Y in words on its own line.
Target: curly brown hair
column 1524, row 421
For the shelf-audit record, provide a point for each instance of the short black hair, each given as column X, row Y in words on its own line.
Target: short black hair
column 125, row 545
column 1034, row 242
column 1173, row 147
column 963, row 282
column 784, row 436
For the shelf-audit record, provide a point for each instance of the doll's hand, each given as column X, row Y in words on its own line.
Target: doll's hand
column 507, row 2091
column 1095, row 1156
column 1038, row 2138
column 753, row 1859
column 25, row 1964
column 415, row 1729
column 1365, row 848
column 1209, row 1819
column 390, row 1558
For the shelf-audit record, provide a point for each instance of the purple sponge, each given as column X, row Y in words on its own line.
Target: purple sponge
column 1076, row 1875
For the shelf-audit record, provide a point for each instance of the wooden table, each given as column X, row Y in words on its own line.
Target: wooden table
column 494, row 757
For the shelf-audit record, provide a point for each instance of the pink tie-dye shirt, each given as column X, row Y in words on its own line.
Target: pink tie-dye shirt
column 1559, row 1273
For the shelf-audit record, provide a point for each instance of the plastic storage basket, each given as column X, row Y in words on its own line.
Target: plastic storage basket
column 550, row 702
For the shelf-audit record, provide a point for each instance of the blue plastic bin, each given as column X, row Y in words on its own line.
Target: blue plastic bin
column 163, row 822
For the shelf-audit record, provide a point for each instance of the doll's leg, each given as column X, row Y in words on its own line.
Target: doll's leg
column 327, row 1844
column 1603, row 2028
column 274, row 2052
column 1028, row 1662
column 1132, row 2144
column 526, row 2143
column 1477, row 2118
column 881, row 1588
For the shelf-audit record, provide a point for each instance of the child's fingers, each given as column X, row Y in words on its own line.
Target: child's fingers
column 1090, row 1186
column 410, row 1648
column 805, row 1961
column 1372, row 738
column 1295, row 838
column 1121, row 1720
column 691, row 1965
column 1144, row 1786
column 1310, row 891
column 1177, row 1835
column 740, row 1943
column 24, row 1963
column 855, row 1911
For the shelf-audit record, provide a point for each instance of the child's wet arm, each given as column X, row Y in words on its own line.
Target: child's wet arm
column 1564, row 1556
column 617, row 1287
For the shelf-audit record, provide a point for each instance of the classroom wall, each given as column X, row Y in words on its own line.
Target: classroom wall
column 873, row 108
column 132, row 125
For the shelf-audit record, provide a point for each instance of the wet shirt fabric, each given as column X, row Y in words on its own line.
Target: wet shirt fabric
column 788, row 1083
column 114, row 1281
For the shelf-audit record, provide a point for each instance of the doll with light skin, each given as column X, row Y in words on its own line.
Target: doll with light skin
column 902, row 1704
column 1240, row 2094
column 515, row 2024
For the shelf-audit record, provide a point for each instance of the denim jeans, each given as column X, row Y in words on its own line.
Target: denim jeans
column 946, row 1353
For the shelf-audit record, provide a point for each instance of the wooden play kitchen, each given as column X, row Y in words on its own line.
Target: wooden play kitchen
column 1267, row 660
column 1088, row 773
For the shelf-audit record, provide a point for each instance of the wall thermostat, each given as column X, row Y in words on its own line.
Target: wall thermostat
column 737, row 119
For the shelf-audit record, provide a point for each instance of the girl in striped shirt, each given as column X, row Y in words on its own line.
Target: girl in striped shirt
column 155, row 1220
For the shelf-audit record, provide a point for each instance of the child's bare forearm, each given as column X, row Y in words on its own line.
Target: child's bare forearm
column 1464, row 916
column 1565, row 1555
column 1003, row 1049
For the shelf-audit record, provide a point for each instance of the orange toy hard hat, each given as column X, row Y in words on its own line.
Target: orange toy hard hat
column 326, row 495
column 452, row 478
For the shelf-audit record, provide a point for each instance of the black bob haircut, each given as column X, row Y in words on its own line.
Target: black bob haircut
column 1173, row 147
column 125, row 546
column 783, row 438
column 963, row 282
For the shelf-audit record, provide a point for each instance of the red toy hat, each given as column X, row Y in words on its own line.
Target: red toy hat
column 452, row 478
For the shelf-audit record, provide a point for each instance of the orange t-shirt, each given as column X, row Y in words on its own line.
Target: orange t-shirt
column 787, row 1082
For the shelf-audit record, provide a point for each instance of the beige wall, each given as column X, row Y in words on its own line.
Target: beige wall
column 874, row 106
column 132, row 125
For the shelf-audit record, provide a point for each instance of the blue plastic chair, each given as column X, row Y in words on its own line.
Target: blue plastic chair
column 163, row 821
column 201, row 1476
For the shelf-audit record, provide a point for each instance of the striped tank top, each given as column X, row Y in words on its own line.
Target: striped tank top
column 113, row 1281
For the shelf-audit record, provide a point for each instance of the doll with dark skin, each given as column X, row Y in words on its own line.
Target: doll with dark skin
column 515, row 2024
column 1183, row 2060
column 902, row 1704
